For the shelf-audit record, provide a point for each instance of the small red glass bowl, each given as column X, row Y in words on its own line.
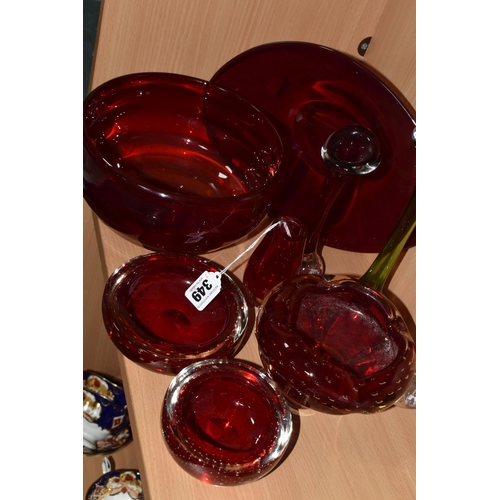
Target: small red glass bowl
column 151, row 322
column 225, row 422
column 177, row 163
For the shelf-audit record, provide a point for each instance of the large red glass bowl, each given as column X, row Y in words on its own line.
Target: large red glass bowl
column 152, row 323
column 176, row 163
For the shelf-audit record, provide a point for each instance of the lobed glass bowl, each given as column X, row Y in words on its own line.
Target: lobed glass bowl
column 225, row 422
column 149, row 319
column 335, row 345
column 177, row 163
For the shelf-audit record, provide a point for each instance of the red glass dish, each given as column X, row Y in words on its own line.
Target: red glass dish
column 308, row 91
column 225, row 422
column 335, row 345
column 176, row 163
column 151, row 322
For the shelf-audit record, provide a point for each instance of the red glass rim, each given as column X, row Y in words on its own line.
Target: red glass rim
column 134, row 333
column 137, row 80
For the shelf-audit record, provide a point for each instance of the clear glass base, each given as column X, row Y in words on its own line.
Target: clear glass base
column 312, row 263
column 409, row 399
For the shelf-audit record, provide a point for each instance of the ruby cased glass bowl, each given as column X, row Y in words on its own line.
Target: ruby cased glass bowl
column 335, row 345
column 177, row 163
column 225, row 422
column 152, row 323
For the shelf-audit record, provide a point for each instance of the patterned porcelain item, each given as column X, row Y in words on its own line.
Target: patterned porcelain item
column 106, row 425
column 105, row 385
column 120, row 484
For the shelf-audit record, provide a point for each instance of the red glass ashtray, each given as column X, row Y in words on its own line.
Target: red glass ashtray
column 177, row 163
column 150, row 320
column 335, row 345
column 309, row 91
column 225, row 422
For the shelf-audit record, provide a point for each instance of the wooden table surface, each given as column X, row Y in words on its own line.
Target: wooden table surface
column 343, row 458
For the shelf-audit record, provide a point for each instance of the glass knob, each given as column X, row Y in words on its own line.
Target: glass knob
column 351, row 150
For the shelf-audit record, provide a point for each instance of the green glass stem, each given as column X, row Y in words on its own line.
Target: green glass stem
column 378, row 272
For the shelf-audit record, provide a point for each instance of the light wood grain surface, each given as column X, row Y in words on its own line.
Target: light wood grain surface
column 345, row 458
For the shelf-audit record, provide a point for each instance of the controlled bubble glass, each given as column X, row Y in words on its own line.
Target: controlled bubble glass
column 337, row 344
